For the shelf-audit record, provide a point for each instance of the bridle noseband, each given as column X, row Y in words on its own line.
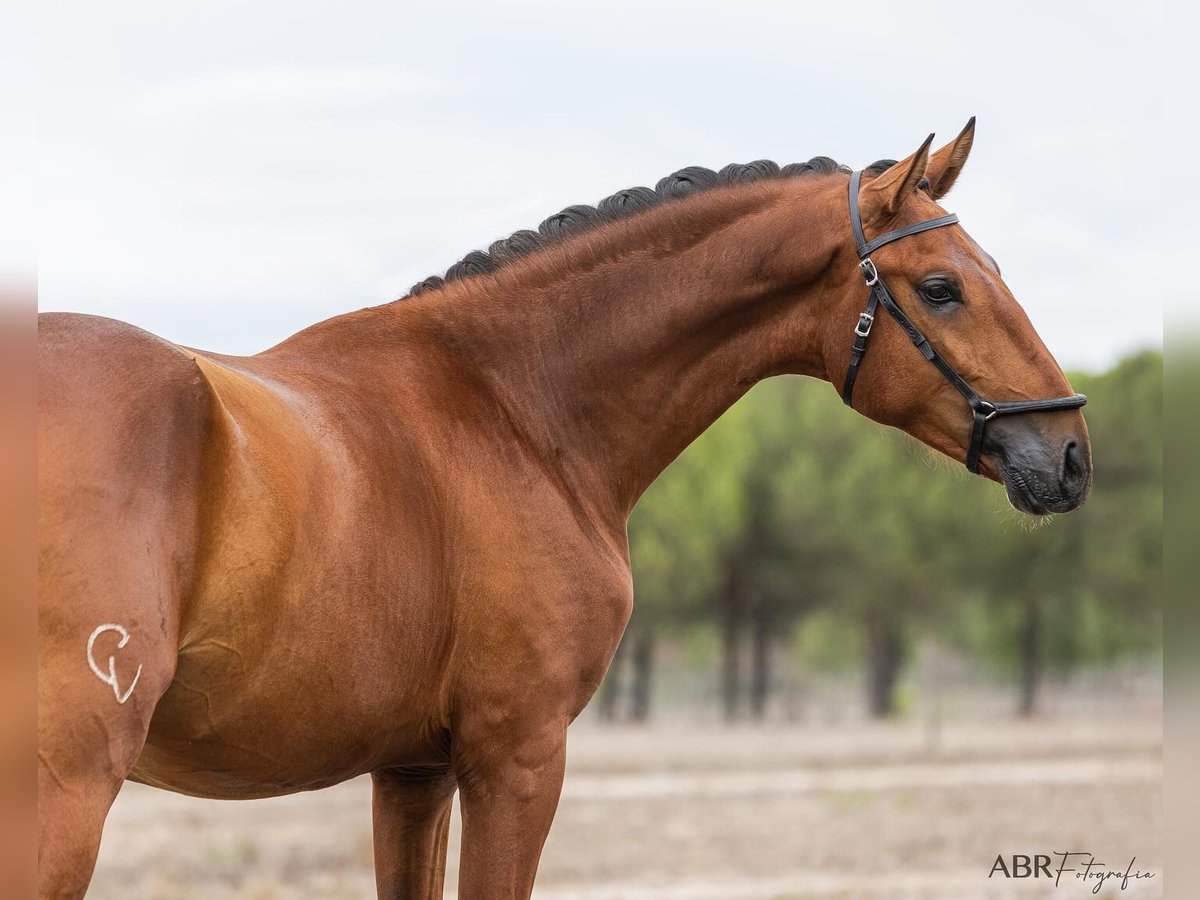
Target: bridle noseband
column 983, row 410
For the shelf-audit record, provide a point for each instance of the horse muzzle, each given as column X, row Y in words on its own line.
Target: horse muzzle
column 1043, row 474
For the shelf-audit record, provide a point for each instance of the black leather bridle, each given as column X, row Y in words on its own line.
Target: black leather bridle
column 983, row 410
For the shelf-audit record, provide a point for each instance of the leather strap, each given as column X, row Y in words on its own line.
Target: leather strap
column 860, row 239
column 861, row 332
column 927, row 225
column 982, row 410
column 1008, row 407
column 866, row 248
column 975, row 448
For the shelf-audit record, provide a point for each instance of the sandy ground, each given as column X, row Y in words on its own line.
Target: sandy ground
column 707, row 813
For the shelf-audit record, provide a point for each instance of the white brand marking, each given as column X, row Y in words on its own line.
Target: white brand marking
column 110, row 677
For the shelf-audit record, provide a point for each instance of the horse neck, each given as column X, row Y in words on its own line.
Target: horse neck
column 613, row 352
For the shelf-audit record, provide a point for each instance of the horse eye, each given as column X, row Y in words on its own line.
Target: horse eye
column 938, row 292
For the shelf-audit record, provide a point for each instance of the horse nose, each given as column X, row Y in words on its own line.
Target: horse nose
column 1075, row 473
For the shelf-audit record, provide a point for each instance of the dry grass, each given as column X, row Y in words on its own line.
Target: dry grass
column 858, row 810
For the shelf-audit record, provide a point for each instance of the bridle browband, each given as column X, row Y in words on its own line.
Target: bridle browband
column 983, row 410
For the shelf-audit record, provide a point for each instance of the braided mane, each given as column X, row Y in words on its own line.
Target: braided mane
column 628, row 202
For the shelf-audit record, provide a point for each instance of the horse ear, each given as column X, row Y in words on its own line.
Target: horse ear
column 882, row 198
column 945, row 165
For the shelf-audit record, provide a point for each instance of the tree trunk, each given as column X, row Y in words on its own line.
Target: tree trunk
column 885, row 652
column 1029, row 641
column 731, row 682
column 760, row 673
column 643, row 670
column 732, row 614
column 610, row 688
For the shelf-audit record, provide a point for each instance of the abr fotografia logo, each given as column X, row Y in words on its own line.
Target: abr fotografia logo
column 1063, row 867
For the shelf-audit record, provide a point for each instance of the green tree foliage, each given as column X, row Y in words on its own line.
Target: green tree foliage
column 791, row 503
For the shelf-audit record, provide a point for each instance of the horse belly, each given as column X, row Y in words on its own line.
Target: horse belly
column 322, row 699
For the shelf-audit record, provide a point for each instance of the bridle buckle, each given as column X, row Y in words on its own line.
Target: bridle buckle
column 869, row 273
column 865, row 321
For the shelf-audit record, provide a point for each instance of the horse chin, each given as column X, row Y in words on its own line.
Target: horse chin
column 1028, row 494
column 1022, row 501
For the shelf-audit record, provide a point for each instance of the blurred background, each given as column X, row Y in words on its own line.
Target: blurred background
column 852, row 670
column 797, row 564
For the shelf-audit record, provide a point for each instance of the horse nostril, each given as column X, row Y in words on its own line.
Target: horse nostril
column 1074, row 469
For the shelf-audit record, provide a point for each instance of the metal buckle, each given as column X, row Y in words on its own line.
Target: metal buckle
column 867, row 265
column 865, row 321
column 989, row 410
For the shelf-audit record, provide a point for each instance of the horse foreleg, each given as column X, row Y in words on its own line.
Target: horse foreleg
column 411, row 824
column 510, row 786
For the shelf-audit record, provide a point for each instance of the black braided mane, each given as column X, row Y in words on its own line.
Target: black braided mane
column 580, row 218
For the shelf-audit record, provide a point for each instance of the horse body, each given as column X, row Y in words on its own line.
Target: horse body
column 338, row 544
column 315, row 633
column 395, row 543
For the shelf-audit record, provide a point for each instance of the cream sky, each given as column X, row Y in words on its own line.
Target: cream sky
column 226, row 173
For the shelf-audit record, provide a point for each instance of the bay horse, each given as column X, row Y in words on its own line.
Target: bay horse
column 395, row 543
